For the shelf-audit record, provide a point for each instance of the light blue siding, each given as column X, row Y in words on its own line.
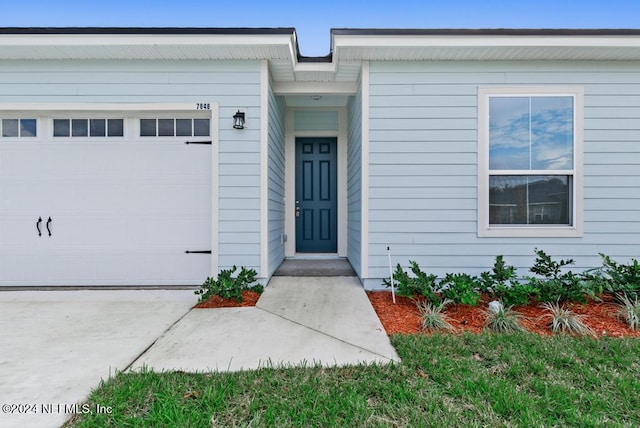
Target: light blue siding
column 276, row 177
column 319, row 120
column 354, row 181
column 230, row 84
column 423, row 172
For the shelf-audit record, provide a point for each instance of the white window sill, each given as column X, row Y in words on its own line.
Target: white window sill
column 530, row 232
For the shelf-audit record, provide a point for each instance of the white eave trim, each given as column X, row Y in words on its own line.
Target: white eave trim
column 386, row 41
column 485, row 47
column 159, row 40
column 149, row 46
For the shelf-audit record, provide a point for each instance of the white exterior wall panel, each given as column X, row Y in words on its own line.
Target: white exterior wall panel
column 423, row 172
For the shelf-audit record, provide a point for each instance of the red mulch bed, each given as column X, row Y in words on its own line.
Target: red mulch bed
column 403, row 316
column 249, row 298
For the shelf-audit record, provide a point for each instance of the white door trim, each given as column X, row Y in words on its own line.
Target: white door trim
column 290, row 177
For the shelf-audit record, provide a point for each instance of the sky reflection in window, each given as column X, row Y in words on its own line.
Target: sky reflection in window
column 531, row 133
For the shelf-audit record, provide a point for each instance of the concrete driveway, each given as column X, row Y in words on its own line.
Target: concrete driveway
column 55, row 346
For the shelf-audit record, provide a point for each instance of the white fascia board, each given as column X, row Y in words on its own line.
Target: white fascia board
column 385, row 41
column 316, row 88
column 145, row 39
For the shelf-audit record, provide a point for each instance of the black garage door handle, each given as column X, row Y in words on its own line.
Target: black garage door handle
column 38, row 225
column 49, row 222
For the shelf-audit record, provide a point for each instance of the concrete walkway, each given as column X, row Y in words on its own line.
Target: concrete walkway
column 56, row 346
column 297, row 321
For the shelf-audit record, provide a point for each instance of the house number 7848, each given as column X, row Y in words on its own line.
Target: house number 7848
column 203, row 106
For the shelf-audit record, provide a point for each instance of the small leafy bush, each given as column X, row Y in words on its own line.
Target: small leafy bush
column 518, row 294
column 620, row 278
column 629, row 311
column 556, row 285
column 501, row 274
column 565, row 321
column 461, row 288
column 433, row 316
column 501, row 284
column 594, row 282
column 503, row 320
column 420, row 283
column 227, row 286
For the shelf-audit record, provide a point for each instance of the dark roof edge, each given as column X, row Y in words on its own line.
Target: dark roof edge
column 315, row 59
column 487, row 32
column 148, row 30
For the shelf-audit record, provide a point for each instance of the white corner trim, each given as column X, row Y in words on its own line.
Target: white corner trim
column 364, row 249
column 343, row 198
column 484, row 229
column 215, row 203
column 290, row 184
column 264, row 169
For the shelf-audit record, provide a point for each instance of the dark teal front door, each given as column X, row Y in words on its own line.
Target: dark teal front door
column 316, row 195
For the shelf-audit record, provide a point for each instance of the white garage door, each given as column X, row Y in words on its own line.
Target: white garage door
column 104, row 199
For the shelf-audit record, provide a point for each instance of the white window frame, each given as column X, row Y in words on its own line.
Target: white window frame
column 533, row 231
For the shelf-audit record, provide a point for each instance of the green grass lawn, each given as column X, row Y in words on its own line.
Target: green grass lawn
column 444, row 380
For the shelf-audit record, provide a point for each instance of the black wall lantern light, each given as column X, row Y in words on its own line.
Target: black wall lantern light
column 238, row 120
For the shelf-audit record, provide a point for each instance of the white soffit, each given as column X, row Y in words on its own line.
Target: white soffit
column 147, row 46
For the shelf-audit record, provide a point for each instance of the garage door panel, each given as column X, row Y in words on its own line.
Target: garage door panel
column 104, row 269
column 131, row 196
column 130, row 161
column 127, row 232
column 20, row 231
column 123, row 212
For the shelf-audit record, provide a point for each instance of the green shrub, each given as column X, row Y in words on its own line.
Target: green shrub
column 501, row 274
column 420, row 283
column 501, row 284
column 461, row 288
column 620, row 278
column 433, row 316
column 227, row 286
column 556, row 285
column 518, row 294
column 594, row 282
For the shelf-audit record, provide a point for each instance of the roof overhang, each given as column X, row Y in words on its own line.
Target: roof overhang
column 333, row 75
column 485, row 45
column 148, row 43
